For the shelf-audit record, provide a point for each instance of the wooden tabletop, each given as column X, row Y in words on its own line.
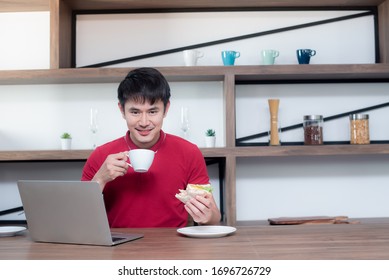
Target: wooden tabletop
column 320, row 242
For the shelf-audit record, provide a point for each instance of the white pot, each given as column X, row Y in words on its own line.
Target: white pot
column 66, row 144
column 210, row 141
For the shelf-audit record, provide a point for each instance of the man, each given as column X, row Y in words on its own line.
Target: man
column 148, row 199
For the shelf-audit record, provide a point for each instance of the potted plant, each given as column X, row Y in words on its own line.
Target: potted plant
column 210, row 138
column 66, row 141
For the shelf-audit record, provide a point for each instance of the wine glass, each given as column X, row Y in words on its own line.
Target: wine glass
column 185, row 121
column 93, row 125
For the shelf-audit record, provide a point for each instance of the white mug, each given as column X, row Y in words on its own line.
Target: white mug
column 141, row 159
column 191, row 56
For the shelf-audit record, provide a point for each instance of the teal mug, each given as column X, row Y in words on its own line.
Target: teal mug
column 229, row 57
column 304, row 55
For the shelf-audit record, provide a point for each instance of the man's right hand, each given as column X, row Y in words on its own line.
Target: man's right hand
column 115, row 165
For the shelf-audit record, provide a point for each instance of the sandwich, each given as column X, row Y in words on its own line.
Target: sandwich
column 192, row 190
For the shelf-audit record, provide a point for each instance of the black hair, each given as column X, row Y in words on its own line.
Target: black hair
column 144, row 84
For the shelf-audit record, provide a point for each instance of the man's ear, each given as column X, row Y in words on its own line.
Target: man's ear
column 166, row 108
column 121, row 109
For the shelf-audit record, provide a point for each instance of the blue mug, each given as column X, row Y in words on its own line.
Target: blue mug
column 229, row 57
column 304, row 55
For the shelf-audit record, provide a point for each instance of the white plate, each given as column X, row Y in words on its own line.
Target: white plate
column 206, row 231
column 10, row 231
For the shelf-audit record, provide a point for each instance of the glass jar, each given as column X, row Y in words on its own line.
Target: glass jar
column 359, row 129
column 313, row 130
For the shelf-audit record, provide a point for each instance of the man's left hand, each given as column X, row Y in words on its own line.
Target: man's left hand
column 203, row 209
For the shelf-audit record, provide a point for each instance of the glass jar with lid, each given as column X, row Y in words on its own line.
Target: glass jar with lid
column 359, row 129
column 313, row 129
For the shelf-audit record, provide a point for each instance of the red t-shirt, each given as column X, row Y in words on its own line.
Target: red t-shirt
column 148, row 199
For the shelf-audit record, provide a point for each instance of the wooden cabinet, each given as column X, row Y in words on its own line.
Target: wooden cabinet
column 61, row 73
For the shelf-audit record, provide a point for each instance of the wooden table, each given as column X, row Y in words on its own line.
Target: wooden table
column 340, row 241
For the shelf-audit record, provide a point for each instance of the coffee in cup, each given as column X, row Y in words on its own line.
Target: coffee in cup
column 141, row 159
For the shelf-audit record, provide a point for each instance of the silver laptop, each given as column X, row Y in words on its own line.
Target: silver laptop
column 68, row 212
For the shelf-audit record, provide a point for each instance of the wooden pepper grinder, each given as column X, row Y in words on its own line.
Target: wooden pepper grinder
column 273, row 106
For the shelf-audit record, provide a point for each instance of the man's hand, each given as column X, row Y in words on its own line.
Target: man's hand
column 115, row 165
column 203, row 209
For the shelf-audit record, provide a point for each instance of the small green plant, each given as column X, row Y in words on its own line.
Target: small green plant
column 66, row 136
column 210, row 132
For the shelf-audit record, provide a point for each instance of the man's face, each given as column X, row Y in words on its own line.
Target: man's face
column 144, row 121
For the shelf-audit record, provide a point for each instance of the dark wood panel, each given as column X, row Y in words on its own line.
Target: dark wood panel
column 230, row 190
column 60, row 34
column 383, row 29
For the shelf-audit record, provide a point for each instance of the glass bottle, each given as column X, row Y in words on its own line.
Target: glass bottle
column 313, row 129
column 359, row 129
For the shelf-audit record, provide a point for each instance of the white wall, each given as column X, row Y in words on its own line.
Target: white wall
column 139, row 34
column 41, row 113
column 33, row 117
column 310, row 99
column 312, row 186
column 25, row 40
column 301, row 186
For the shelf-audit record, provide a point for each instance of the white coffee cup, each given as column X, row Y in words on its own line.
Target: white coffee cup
column 141, row 159
column 191, row 57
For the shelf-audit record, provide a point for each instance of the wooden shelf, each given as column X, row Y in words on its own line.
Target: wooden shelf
column 24, row 5
column 239, row 152
column 104, row 75
column 357, row 72
column 169, row 4
column 44, row 5
column 318, row 150
column 44, row 155
column 77, row 155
